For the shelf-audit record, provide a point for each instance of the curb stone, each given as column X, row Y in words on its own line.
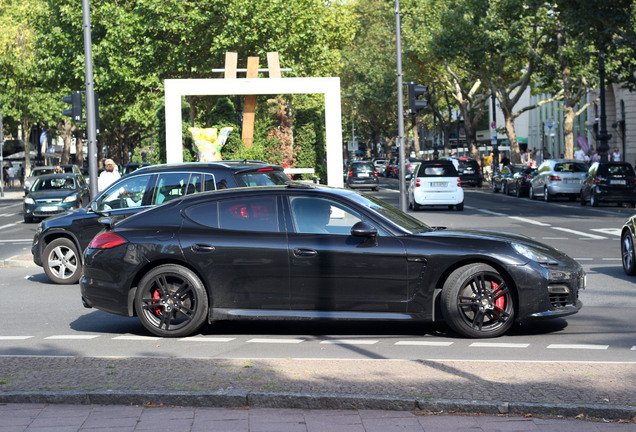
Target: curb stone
column 316, row 401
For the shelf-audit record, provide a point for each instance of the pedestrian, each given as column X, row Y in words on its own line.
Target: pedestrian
column 5, row 176
column 109, row 175
column 11, row 171
column 579, row 154
column 58, row 169
column 505, row 160
column 616, row 156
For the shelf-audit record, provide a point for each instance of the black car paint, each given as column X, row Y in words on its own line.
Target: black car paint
column 394, row 278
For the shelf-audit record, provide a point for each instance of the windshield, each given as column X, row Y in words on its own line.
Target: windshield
column 403, row 220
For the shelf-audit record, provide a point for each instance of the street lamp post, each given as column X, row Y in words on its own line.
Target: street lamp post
column 603, row 137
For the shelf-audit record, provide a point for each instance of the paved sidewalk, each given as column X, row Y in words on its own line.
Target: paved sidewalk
column 94, row 418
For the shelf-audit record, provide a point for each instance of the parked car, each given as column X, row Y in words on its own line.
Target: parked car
column 362, row 174
column 132, row 167
column 410, row 165
column 380, row 165
column 558, row 177
column 42, row 170
column 59, row 241
column 436, row 183
column 469, row 170
column 500, row 178
column 519, row 184
column 609, row 182
column 628, row 252
column 234, row 254
column 391, row 168
column 52, row 194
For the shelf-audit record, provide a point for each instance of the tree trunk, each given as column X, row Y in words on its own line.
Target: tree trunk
column 515, row 155
column 568, row 131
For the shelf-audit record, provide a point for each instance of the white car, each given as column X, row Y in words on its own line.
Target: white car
column 436, row 183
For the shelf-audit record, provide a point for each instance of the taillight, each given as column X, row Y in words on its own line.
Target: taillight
column 599, row 180
column 555, row 178
column 417, row 182
column 459, row 182
column 375, row 173
column 265, row 169
column 106, row 240
column 350, row 173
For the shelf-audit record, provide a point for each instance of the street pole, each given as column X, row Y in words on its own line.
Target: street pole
column 400, row 103
column 2, row 156
column 91, row 126
column 603, row 137
column 495, row 144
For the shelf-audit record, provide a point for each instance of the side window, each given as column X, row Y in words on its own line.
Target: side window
column 170, row 186
column 321, row 216
column 204, row 214
column 125, row 194
column 210, row 183
column 249, row 214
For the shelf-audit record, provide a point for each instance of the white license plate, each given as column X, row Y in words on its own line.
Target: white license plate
column 439, row 184
column 363, row 174
column 618, row 182
column 48, row 208
column 571, row 181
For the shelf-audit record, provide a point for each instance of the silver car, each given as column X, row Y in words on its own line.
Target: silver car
column 558, row 177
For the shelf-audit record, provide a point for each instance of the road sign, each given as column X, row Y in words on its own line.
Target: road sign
column 493, row 125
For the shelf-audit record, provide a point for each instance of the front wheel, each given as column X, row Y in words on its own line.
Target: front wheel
column 62, row 262
column 628, row 253
column 593, row 200
column 477, row 302
column 531, row 194
column 171, row 301
column 547, row 196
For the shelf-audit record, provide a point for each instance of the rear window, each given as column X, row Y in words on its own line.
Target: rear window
column 261, row 177
column 362, row 168
column 617, row 170
column 437, row 170
column 570, row 167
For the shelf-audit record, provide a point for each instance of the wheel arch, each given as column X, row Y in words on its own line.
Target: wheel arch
column 153, row 264
column 443, row 277
column 51, row 236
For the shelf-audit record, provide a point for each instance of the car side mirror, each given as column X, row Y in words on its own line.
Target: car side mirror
column 363, row 229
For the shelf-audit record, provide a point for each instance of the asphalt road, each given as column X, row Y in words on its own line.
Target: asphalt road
column 41, row 318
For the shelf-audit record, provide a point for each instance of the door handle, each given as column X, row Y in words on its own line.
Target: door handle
column 304, row 252
column 202, row 248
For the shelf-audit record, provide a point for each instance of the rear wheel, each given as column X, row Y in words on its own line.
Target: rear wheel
column 593, row 200
column 628, row 254
column 531, row 194
column 28, row 219
column 547, row 196
column 494, row 187
column 582, row 199
column 460, row 206
column 477, row 302
column 171, row 301
column 62, row 263
column 518, row 191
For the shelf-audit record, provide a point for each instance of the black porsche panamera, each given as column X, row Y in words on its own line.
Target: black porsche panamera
column 312, row 252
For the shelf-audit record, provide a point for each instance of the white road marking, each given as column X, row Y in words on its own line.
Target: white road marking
column 530, row 221
column 8, row 214
column 579, row 233
column 17, row 240
column 611, row 259
column 9, row 338
column 492, row 213
column 423, row 343
column 137, row 338
column 8, row 225
column 608, row 231
column 498, row 345
column 350, row 342
column 72, row 337
column 578, row 346
column 276, row 341
column 205, row 339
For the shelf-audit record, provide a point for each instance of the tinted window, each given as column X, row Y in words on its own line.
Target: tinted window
column 263, row 177
column 249, row 214
column 618, row 170
column 358, row 167
column 570, row 167
column 437, row 170
column 204, row 214
column 321, row 216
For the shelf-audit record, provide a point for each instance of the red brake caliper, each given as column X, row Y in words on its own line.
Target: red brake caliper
column 500, row 301
column 156, row 296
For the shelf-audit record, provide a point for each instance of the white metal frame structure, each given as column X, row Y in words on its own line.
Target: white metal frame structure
column 330, row 87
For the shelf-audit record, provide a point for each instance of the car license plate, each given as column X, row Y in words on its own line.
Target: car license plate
column 439, row 184
column 363, row 174
column 617, row 182
column 48, row 208
column 571, row 181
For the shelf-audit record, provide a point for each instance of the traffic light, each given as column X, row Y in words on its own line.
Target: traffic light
column 418, row 95
column 75, row 112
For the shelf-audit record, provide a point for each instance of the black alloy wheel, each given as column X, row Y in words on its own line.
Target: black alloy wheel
column 62, row 262
column 171, row 301
column 477, row 302
column 628, row 253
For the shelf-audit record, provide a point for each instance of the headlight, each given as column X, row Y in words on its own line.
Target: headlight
column 533, row 254
column 29, row 200
column 70, row 198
